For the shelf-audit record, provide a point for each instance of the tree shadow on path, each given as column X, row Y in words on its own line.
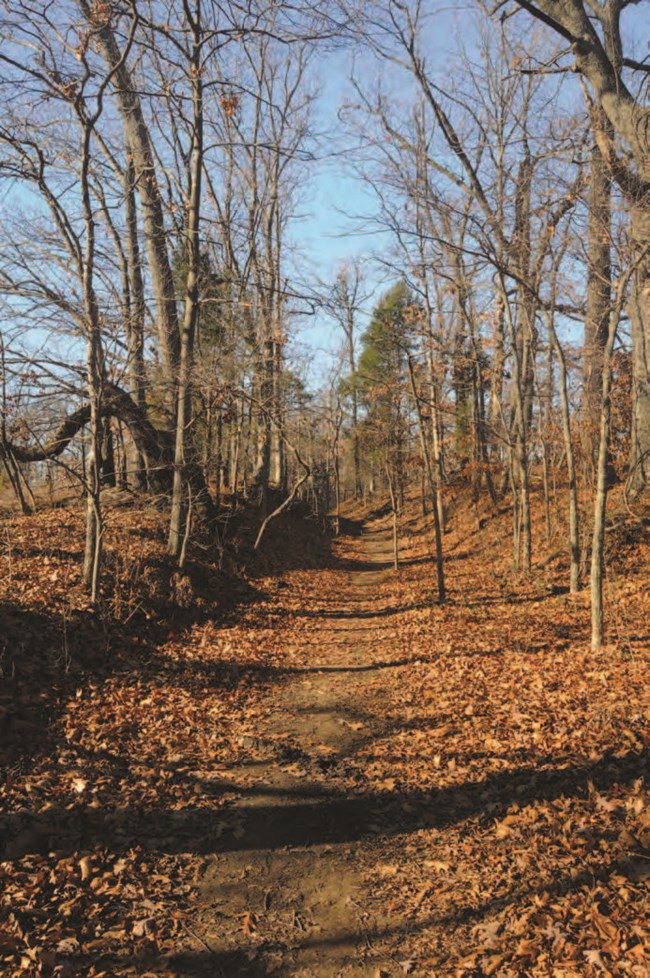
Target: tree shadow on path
column 309, row 816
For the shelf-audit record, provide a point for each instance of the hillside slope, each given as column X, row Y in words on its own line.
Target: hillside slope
column 309, row 768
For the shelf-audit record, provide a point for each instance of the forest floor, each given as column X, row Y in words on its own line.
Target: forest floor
column 315, row 770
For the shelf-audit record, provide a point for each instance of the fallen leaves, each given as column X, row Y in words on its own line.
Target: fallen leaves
column 526, row 744
column 117, row 734
column 85, row 867
column 500, row 759
column 248, row 923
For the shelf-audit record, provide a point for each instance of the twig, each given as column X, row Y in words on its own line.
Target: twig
column 287, row 502
column 306, row 469
column 204, row 943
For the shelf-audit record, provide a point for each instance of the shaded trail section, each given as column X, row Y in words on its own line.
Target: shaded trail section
column 283, row 892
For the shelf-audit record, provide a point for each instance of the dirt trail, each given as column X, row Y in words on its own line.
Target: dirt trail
column 283, row 894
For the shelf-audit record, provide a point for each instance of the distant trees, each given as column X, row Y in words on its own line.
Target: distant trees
column 389, row 402
column 157, row 149
column 478, row 203
column 505, row 218
column 380, row 381
column 156, row 153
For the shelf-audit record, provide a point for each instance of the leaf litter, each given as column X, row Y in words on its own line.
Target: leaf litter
column 491, row 779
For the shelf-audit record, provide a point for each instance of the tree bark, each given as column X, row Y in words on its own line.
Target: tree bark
column 192, row 292
column 440, row 568
column 639, row 307
column 574, row 512
column 154, row 445
column 138, row 146
column 599, row 279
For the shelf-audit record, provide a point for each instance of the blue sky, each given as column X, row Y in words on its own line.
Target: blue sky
column 336, row 222
column 337, row 201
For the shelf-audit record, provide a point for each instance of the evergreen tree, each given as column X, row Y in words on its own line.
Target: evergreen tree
column 381, row 379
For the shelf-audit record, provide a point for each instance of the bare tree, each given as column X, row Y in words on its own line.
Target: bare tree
column 593, row 35
column 99, row 18
column 344, row 304
column 500, row 209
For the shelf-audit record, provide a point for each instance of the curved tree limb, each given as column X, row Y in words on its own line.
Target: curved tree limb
column 306, row 472
column 154, row 445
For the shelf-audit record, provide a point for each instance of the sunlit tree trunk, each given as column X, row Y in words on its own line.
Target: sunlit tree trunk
column 602, row 485
column 574, row 512
column 598, row 295
column 138, row 144
column 431, row 478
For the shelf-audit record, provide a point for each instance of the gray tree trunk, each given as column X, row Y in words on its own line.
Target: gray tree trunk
column 599, row 279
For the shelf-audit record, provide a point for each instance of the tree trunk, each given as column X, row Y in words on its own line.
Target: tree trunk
column 138, row 145
column 337, row 476
column 599, row 278
column 639, row 307
column 192, row 296
column 262, row 475
column 600, row 504
column 135, row 327
column 520, row 474
column 574, row 512
column 600, row 508
column 440, row 570
column 393, row 507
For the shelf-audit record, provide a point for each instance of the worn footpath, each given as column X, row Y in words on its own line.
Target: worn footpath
column 285, row 890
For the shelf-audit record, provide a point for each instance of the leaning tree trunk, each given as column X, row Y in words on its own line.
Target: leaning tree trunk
column 138, row 144
column 155, row 446
column 136, row 325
